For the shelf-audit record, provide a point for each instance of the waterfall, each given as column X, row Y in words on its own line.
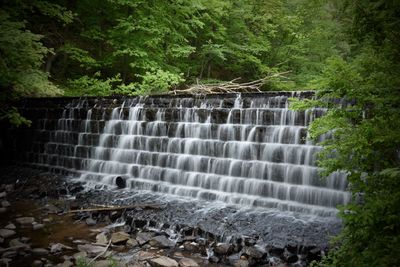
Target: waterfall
column 242, row 150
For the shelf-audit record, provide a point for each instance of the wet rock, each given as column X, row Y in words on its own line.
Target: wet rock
column 186, row 262
column 40, row 251
column 254, row 252
column 223, row 248
column 10, row 254
column 241, row 263
column 3, row 194
column 191, row 246
column 161, row 242
column 5, row 204
column 289, row 257
column 313, row 254
column 101, row 239
column 145, row 255
column 163, row 261
column 16, row 242
column 144, row 237
column 24, row 221
column 276, row 250
column 10, row 226
column 25, row 239
column 132, row 243
column 56, row 248
column 37, row 263
column 51, row 209
column 6, row 233
column 90, row 221
column 120, row 182
column 66, row 263
column 119, row 238
column 91, row 250
column 38, row 226
column 214, row 259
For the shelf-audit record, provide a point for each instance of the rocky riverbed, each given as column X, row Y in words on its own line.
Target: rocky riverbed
column 50, row 220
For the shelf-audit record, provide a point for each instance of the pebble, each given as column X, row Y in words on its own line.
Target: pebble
column 90, row 221
column 10, row 226
column 25, row 220
column 5, row 204
column 38, row 226
column 6, row 233
column 40, row 251
column 186, row 262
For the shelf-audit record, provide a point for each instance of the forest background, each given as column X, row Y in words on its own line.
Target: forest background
column 342, row 49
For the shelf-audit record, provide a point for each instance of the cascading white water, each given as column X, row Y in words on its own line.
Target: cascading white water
column 252, row 153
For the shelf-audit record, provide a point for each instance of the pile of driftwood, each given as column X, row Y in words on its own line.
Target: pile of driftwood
column 228, row 87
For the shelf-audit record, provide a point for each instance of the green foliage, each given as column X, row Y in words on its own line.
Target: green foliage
column 159, row 81
column 92, row 86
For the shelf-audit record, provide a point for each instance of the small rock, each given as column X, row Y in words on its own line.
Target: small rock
column 3, row 210
column 47, row 220
column 9, row 254
column 79, row 241
column 143, row 237
column 1, row 240
column 16, row 242
column 91, row 250
column 101, row 239
column 90, row 221
column 241, row 263
column 289, row 257
column 56, row 248
column 254, row 252
column 51, row 209
column 9, row 187
column 38, row 226
column 186, row 262
column 145, row 255
column 65, row 264
column 40, row 251
column 78, row 255
column 37, row 263
column 161, row 242
column 163, row 261
column 132, row 243
column 223, row 248
column 6, row 233
column 10, row 226
column 3, row 194
column 25, row 239
column 191, row 246
column 25, row 220
column 214, row 259
column 5, row 204
column 119, row 237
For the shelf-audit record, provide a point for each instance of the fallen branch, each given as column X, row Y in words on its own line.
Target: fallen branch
column 114, row 208
column 230, row 86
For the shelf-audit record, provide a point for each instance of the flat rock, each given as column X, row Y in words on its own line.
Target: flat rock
column 90, row 222
column 11, row 226
column 91, row 250
column 101, row 239
column 16, row 242
column 241, row 263
column 145, row 255
column 40, row 251
column 163, row 261
column 186, row 262
column 25, row 220
column 144, row 237
column 119, row 237
column 254, row 252
column 9, row 254
column 223, row 248
column 38, row 226
column 191, row 246
column 161, row 242
column 58, row 247
column 6, row 233
column 5, row 204
column 132, row 243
